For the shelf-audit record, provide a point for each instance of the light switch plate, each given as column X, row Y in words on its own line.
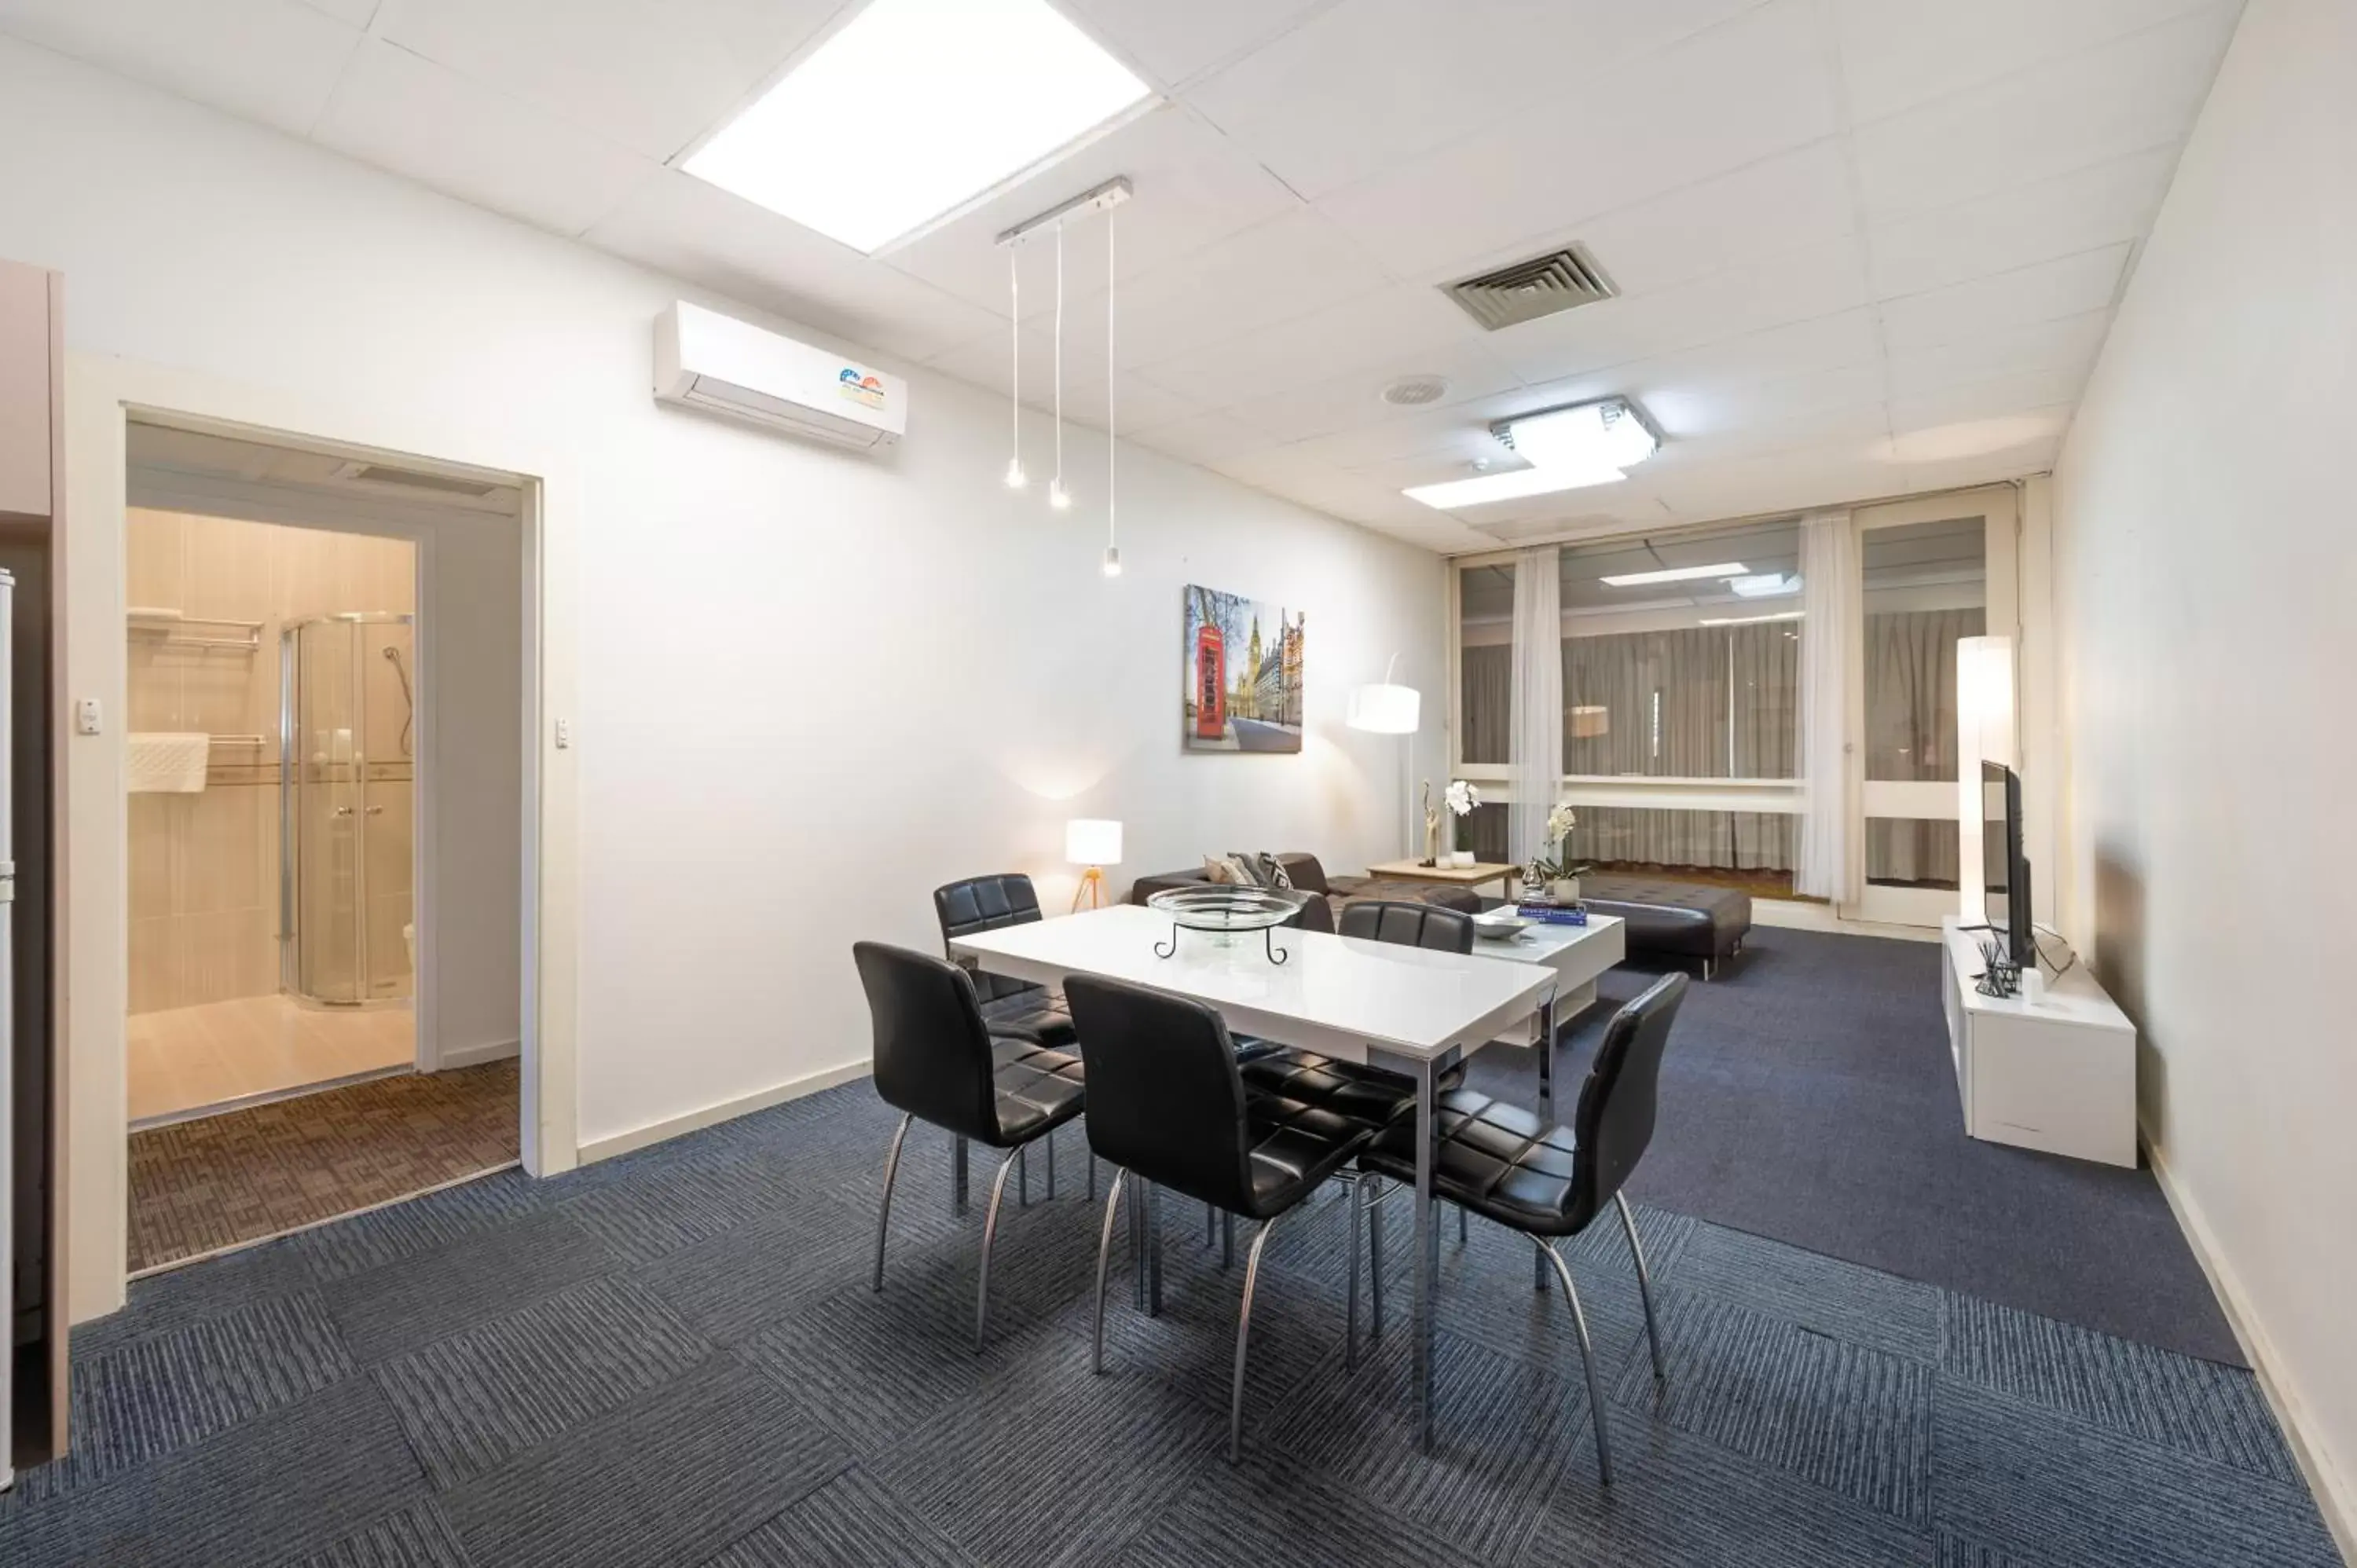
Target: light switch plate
column 87, row 716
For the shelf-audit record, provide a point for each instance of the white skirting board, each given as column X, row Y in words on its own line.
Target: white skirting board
column 2334, row 1490
column 475, row 1056
column 1796, row 915
column 727, row 1111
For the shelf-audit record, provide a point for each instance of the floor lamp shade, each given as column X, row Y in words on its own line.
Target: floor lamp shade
column 1384, row 710
column 1092, row 841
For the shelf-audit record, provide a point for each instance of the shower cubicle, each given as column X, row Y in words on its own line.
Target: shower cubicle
column 346, row 717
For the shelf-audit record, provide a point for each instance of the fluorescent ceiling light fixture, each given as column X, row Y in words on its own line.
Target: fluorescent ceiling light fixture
column 913, row 108
column 1567, row 448
column 1766, row 585
column 1512, row 485
column 1675, row 574
column 1751, row 621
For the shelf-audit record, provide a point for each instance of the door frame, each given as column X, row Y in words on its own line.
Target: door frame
column 102, row 395
column 1935, row 800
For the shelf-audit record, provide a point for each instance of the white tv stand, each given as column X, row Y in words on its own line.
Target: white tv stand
column 2057, row 1074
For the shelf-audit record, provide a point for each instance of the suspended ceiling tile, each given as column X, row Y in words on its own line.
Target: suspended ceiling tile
column 1175, row 42
column 1204, row 438
column 1193, row 188
column 1360, row 86
column 275, row 61
column 1897, row 54
column 2049, row 291
column 1354, row 399
column 1725, row 97
column 1795, row 286
column 1399, row 331
column 2131, row 95
column 1291, row 265
column 2069, row 344
column 2072, row 212
column 1782, row 204
column 416, row 118
column 650, row 75
column 679, row 225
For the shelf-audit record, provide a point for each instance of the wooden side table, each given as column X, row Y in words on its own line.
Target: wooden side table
column 1472, row 875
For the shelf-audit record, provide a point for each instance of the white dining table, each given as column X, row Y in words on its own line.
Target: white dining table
column 1407, row 1010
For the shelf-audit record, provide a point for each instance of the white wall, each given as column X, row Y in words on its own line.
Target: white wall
column 2206, row 575
column 811, row 684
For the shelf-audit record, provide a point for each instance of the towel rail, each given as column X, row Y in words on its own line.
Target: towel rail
column 239, row 739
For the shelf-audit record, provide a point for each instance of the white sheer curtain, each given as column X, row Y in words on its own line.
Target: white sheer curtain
column 1536, row 752
column 1829, row 601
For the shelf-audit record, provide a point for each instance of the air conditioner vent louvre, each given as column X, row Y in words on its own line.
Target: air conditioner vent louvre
column 1543, row 285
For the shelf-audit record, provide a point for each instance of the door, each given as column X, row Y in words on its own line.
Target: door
column 1933, row 572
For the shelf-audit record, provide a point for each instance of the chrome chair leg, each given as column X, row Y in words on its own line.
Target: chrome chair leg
column 1023, row 1177
column 1350, row 1192
column 1006, row 1167
column 1244, row 1336
column 1644, row 1284
column 1460, row 1225
column 884, row 1212
column 1051, row 1142
column 1374, row 1208
column 1586, row 1360
column 1104, row 1256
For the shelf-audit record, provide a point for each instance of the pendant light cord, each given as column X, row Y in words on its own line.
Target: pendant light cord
column 1059, row 358
column 1113, row 536
column 1015, row 347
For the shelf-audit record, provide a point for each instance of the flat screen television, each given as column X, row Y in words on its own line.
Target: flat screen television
column 2005, row 879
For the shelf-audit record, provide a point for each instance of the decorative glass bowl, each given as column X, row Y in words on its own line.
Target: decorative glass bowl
column 1218, row 908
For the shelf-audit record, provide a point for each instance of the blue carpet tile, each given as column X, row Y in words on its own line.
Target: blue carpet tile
column 675, row 1359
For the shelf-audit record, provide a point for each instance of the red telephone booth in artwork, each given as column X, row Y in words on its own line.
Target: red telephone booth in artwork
column 1210, row 683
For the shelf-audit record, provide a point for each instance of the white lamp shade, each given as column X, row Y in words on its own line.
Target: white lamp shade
column 1090, row 840
column 1384, row 710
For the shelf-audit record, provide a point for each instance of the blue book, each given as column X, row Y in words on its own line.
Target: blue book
column 1553, row 914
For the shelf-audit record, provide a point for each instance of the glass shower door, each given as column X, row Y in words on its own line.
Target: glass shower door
column 325, row 801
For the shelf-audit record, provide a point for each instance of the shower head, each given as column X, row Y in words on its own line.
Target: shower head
column 409, row 699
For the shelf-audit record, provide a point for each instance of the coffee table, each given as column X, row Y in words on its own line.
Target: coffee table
column 1471, row 875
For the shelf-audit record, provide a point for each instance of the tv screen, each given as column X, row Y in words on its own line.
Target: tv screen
column 2005, row 875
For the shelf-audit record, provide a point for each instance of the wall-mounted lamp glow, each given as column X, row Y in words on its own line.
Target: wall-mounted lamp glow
column 1385, row 708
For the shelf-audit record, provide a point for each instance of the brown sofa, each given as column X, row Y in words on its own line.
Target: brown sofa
column 1309, row 876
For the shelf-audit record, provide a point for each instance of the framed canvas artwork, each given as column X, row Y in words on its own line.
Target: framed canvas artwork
column 1244, row 673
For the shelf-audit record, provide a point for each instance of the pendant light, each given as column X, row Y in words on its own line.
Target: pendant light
column 1112, row 534
column 1015, row 477
column 1057, row 496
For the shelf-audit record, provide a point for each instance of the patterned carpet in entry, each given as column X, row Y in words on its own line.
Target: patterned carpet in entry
column 198, row 1186
column 675, row 1358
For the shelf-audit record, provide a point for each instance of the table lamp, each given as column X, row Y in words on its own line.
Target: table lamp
column 1094, row 843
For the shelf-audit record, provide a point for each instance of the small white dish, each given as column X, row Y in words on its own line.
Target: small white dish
column 1501, row 925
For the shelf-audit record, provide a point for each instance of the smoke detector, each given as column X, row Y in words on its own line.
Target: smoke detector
column 1415, row 391
column 1538, row 287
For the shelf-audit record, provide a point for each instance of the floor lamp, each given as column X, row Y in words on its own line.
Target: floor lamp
column 1387, row 709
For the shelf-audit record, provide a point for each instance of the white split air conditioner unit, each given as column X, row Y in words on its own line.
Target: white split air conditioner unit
column 705, row 359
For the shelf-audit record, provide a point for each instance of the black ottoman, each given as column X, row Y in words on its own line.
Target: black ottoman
column 1677, row 921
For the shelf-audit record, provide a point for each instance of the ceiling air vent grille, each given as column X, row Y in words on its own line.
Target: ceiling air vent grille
column 411, row 479
column 1543, row 285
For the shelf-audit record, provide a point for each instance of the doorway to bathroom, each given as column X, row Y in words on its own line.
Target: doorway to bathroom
column 316, row 649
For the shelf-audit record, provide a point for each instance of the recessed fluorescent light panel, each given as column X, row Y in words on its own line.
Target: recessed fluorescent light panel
column 913, row 108
column 1567, row 448
column 1675, row 574
column 1750, row 620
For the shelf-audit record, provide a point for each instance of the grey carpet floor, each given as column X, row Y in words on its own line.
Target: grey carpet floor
column 675, row 1358
column 1808, row 1096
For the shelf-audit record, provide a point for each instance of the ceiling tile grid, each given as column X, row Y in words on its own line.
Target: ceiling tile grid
column 1861, row 246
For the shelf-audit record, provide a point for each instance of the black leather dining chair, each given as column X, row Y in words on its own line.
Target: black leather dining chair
column 1408, row 924
column 1169, row 1106
column 938, row 1061
column 1549, row 1182
column 1012, row 1007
